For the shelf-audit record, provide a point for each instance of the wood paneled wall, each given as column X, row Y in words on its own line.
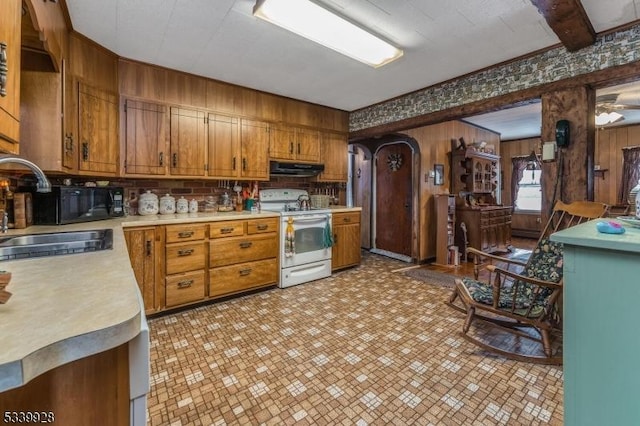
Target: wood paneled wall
column 609, row 144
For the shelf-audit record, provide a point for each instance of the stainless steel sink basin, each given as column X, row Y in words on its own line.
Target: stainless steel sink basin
column 54, row 244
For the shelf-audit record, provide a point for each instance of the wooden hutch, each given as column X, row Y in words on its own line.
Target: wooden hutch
column 475, row 179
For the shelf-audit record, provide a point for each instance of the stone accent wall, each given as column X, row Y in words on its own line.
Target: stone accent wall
column 613, row 49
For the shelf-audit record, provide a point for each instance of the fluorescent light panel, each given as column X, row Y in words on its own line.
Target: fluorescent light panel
column 315, row 23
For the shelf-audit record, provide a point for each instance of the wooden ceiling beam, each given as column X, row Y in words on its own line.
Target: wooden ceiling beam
column 569, row 21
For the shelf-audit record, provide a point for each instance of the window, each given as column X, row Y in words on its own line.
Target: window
column 529, row 195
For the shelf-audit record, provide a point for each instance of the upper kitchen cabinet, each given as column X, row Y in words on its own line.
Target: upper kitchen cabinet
column 185, row 90
column 334, row 154
column 10, row 76
column 141, row 80
column 254, row 147
column 145, row 138
column 294, row 144
column 97, row 131
column 224, row 154
column 188, row 142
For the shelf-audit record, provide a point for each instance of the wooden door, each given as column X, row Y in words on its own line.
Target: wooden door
column 10, row 84
column 254, row 143
column 282, row 142
column 188, row 139
column 98, row 127
column 224, row 146
column 394, row 192
column 145, row 138
column 334, row 155
column 141, row 245
column 307, row 146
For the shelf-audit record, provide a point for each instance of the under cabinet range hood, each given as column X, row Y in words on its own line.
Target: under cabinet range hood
column 281, row 168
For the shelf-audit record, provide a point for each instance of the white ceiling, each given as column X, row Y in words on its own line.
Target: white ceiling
column 221, row 39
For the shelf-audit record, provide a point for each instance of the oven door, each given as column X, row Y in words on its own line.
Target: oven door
column 309, row 240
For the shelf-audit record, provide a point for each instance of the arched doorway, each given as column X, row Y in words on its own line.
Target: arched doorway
column 393, row 200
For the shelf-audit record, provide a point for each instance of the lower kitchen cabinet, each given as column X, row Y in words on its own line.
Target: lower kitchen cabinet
column 141, row 243
column 346, row 240
column 182, row 264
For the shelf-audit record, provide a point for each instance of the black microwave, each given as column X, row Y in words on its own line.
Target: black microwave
column 70, row 204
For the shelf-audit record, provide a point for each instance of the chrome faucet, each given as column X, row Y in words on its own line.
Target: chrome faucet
column 43, row 184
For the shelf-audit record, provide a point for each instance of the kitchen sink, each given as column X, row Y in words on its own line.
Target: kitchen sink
column 55, row 243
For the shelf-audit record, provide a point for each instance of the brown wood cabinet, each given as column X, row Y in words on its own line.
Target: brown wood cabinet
column 188, row 142
column 10, row 80
column 488, row 228
column 185, row 264
column 254, row 149
column 223, row 145
column 141, row 243
column 294, row 144
column 145, row 138
column 97, row 130
column 242, row 255
column 475, row 173
column 334, row 156
column 345, row 251
column 445, row 228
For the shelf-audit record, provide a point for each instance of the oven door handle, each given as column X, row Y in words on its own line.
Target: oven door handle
column 310, row 218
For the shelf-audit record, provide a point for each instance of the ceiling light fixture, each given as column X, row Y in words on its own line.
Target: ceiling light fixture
column 605, row 118
column 315, row 23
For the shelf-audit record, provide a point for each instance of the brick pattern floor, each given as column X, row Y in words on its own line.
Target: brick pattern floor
column 367, row 346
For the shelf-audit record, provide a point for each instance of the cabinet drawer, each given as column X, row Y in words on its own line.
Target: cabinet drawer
column 242, row 249
column 182, row 257
column 229, row 279
column 184, row 288
column 225, row 229
column 188, row 232
column 343, row 218
column 259, row 226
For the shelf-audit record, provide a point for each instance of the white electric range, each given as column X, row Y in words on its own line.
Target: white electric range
column 305, row 254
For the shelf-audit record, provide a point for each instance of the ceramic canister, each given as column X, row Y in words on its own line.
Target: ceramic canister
column 148, row 204
column 193, row 206
column 182, row 206
column 167, row 204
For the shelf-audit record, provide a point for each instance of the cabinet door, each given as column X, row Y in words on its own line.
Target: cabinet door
column 98, row 127
column 334, row 156
column 254, row 142
column 145, row 138
column 282, row 142
column 10, row 85
column 224, row 146
column 141, row 245
column 346, row 249
column 307, row 145
column 188, row 140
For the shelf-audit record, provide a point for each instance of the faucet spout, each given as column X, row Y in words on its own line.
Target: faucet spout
column 43, row 184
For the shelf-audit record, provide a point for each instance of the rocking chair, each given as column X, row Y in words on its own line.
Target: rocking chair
column 525, row 301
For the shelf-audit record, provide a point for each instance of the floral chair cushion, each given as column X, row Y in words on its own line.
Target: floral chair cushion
column 545, row 264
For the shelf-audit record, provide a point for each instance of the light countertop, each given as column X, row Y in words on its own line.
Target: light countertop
column 586, row 235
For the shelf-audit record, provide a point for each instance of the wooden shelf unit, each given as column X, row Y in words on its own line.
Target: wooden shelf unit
column 445, row 228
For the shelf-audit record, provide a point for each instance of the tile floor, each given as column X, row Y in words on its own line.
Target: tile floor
column 367, row 346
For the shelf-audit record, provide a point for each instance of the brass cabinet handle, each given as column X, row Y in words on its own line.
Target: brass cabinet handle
column 262, row 226
column 174, row 160
column 244, row 272
column 185, row 252
column 226, row 230
column 245, row 244
column 148, row 247
column 4, row 69
column 185, row 284
column 161, row 159
column 85, row 151
column 185, row 234
column 68, row 142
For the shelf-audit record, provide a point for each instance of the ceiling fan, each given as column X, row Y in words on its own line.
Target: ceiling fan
column 610, row 106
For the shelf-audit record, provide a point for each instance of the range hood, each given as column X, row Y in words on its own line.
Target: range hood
column 281, row 168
